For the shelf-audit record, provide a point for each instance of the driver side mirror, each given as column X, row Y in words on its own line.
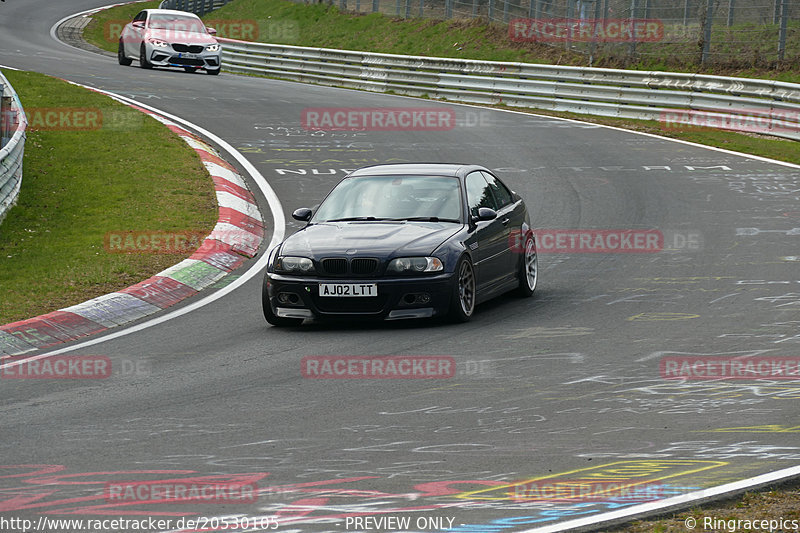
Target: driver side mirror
column 485, row 213
column 211, row 31
column 303, row 214
column 137, row 24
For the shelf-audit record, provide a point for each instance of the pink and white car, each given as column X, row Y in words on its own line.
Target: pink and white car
column 168, row 38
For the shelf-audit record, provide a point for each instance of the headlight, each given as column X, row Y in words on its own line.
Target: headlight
column 158, row 43
column 294, row 265
column 212, row 48
column 413, row 265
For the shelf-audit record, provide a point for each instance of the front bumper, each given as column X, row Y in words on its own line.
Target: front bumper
column 398, row 298
column 168, row 57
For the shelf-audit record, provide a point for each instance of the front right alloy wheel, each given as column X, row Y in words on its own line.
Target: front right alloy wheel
column 462, row 303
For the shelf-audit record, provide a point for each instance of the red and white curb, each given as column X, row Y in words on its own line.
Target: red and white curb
column 238, row 234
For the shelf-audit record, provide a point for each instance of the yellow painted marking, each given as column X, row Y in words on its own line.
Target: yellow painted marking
column 618, row 471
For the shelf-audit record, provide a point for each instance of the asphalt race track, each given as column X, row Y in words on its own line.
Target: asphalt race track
column 565, row 386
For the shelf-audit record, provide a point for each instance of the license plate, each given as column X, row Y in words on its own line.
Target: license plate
column 187, row 56
column 348, row 289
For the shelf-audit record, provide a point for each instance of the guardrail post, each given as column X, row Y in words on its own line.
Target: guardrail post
column 731, row 4
column 421, row 8
column 397, row 8
column 375, row 6
column 408, row 9
column 632, row 47
column 776, row 9
column 448, row 9
column 782, row 32
column 685, row 12
column 491, row 10
column 593, row 44
column 605, row 10
column 708, row 20
column 505, row 10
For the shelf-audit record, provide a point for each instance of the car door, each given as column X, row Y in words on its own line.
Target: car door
column 490, row 235
column 511, row 215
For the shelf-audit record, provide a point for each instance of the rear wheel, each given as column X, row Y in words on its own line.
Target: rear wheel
column 123, row 60
column 528, row 269
column 462, row 301
column 143, row 62
column 271, row 317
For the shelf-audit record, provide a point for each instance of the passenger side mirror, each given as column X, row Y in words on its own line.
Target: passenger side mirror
column 211, row 31
column 485, row 213
column 137, row 24
column 304, row 214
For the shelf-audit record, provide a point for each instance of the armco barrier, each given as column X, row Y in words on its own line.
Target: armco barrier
column 199, row 7
column 12, row 145
column 774, row 105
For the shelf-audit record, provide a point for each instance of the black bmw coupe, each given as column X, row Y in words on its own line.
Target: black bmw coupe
column 403, row 241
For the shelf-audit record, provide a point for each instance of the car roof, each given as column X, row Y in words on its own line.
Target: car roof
column 417, row 169
column 170, row 12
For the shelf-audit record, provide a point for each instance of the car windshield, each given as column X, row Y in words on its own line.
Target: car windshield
column 176, row 23
column 413, row 198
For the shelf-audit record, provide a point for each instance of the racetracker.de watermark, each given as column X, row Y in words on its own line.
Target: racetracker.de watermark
column 720, row 367
column 174, row 242
column 64, row 118
column 75, row 367
column 600, row 241
column 180, row 491
column 586, row 30
column 378, row 118
column 770, row 122
column 377, row 367
column 584, row 490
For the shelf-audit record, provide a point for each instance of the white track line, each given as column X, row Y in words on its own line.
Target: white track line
column 676, row 501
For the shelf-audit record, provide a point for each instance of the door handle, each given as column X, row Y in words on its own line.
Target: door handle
column 505, row 221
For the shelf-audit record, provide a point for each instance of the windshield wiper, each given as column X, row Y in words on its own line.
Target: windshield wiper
column 352, row 219
column 427, row 219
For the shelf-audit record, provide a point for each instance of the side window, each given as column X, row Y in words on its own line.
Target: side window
column 478, row 193
column 501, row 193
column 141, row 16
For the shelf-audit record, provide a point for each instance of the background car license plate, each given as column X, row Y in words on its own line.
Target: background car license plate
column 348, row 289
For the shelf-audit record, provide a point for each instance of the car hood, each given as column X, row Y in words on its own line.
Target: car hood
column 369, row 239
column 186, row 37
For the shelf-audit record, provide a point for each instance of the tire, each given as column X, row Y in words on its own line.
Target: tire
column 462, row 302
column 190, row 69
column 123, row 60
column 214, row 72
column 528, row 269
column 272, row 318
column 143, row 62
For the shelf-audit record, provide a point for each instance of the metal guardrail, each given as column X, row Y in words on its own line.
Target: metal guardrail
column 12, row 145
column 198, row 7
column 764, row 106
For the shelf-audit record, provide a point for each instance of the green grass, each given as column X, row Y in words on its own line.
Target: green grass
column 131, row 174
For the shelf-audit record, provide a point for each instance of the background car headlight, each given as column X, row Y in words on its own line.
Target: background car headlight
column 411, row 265
column 294, row 265
column 158, row 43
column 212, row 48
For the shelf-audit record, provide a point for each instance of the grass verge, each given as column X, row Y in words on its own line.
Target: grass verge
column 130, row 174
column 721, row 517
